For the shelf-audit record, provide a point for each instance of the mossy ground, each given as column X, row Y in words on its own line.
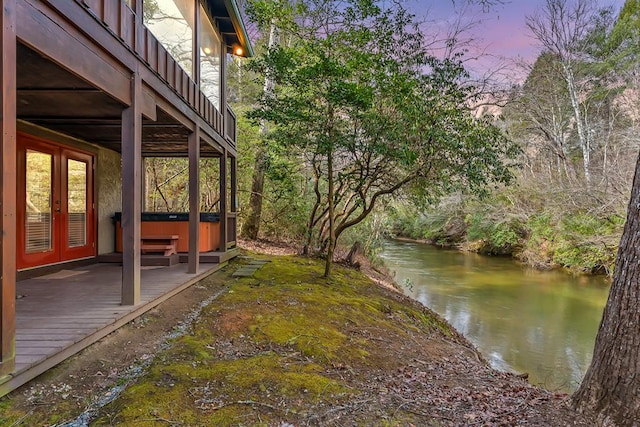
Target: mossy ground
column 289, row 347
column 278, row 345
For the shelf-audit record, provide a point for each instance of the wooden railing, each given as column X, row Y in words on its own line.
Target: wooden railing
column 230, row 126
column 118, row 17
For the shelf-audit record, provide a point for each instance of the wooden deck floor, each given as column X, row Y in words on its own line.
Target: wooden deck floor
column 62, row 313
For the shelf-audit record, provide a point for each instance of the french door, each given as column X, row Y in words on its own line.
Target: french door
column 56, row 211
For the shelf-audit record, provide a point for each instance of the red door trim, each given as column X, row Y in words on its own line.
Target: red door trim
column 60, row 250
column 89, row 249
column 23, row 258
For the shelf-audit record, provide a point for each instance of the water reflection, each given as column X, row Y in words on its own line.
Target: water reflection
column 521, row 319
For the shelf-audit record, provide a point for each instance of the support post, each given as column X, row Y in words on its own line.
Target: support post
column 234, row 198
column 223, row 88
column 234, row 184
column 223, row 202
column 8, row 188
column 194, row 201
column 224, row 208
column 131, row 193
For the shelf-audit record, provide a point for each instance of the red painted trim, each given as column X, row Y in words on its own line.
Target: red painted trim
column 60, row 252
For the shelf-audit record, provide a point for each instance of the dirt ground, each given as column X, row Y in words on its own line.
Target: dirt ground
column 412, row 374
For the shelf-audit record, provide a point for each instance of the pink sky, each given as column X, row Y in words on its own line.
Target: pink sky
column 501, row 29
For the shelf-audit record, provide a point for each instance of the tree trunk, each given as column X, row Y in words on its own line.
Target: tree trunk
column 356, row 250
column 251, row 227
column 611, row 386
column 583, row 136
column 312, row 218
column 332, row 226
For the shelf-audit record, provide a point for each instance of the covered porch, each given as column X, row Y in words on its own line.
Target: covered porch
column 59, row 314
column 87, row 93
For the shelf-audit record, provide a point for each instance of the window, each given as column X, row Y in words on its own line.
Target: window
column 210, row 60
column 172, row 22
column 38, row 218
column 77, row 203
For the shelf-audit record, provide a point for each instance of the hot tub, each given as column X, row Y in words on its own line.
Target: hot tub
column 175, row 223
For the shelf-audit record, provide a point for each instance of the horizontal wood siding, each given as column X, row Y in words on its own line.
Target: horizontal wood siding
column 116, row 16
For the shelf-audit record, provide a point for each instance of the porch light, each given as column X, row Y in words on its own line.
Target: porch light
column 207, row 50
column 238, row 51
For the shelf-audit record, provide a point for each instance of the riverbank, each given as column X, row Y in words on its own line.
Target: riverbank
column 285, row 347
column 580, row 241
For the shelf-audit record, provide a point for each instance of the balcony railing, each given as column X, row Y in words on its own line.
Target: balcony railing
column 230, row 125
column 118, row 17
column 232, row 229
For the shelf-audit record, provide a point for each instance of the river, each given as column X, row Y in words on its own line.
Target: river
column 522, row 320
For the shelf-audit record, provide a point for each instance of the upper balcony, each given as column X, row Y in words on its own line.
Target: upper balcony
column 76, row 60
column 183, row 42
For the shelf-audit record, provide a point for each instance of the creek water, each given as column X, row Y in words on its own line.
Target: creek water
column 521, row 319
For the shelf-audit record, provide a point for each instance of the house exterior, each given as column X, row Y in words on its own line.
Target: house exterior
column 90, row 88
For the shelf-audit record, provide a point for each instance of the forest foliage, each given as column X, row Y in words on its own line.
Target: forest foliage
column 374, row 130
column 575, row 117
column 366, row 110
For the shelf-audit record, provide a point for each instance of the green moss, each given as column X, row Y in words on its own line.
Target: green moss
column 8, row 416
column 270, row 347
column 191, row 346
column 215, row 393
column 297, row 307
column 24, row 414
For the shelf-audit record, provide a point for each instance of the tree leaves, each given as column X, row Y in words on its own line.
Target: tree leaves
column 367, row 110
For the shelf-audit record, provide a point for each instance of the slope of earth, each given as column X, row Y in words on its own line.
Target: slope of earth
column 285, row 347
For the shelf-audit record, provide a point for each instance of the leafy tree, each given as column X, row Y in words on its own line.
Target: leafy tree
column 624, row 47
column 367, row 111
column 251, row 226
column 625, row 38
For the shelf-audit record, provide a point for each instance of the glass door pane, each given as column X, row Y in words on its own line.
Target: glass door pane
column 172, row 22
column 76, row 203
column 210, row 59
column 38, row 218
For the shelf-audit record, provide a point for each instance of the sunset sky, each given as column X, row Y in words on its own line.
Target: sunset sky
column 501, row 30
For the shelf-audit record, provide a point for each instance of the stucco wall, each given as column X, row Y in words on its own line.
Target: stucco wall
column 109, row 186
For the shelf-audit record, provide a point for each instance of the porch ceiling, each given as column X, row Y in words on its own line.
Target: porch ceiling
column 54, row 98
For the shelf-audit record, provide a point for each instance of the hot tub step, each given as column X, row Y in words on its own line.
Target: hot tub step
column 213, row 257
column 155, row 247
